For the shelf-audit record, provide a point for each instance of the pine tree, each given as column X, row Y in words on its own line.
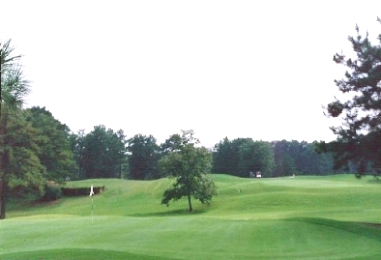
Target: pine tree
column 359, row 138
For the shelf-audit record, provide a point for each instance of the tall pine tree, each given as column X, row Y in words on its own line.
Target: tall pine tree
column 359, row 138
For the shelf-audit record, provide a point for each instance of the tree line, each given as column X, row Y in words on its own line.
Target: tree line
column 48, row 150
column 56, row 153
column 241, row 156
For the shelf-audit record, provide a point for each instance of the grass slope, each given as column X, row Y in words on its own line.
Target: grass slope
column 282, row 218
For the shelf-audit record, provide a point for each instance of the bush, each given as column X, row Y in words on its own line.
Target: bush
column 84, row 191
column 52, row 192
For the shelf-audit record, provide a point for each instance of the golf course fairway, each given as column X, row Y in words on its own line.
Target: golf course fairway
column 306, row 217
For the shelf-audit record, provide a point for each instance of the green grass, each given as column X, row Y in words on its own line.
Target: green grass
column 329, row 217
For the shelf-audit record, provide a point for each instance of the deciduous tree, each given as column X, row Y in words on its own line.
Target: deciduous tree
column 53, row 139
column 188, row 166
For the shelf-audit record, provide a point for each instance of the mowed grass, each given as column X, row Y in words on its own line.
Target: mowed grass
column 333, row 217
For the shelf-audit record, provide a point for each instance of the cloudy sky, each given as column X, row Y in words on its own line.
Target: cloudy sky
column 259, row 69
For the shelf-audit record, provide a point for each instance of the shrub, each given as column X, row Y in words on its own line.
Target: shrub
column 52, row 192
column 84, row 191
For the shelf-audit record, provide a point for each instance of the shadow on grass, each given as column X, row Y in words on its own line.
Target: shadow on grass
column 375, row 179
column 369, row 230
column 176, row 212
column 79, row 254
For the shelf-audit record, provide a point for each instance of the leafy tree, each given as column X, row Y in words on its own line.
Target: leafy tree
column 300, row 158
column 359, row 138
column 223, row 157
column 256, row 156
column 226, row 158
column 284, row 162
column 122, row 150
column 143, row 157
column 77, row 142
column 24, row 173
column 100, row 153
column 53, row 139
column 303, row 156
column 13, row 90
column 172, row 144
column 189, row 166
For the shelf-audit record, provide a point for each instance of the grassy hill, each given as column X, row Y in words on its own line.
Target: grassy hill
column 331, row 217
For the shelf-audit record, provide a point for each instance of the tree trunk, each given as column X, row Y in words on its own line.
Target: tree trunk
column 3, row 165
column 190, row 203
column 3, row 198
column 2, row 179
column 120, row 165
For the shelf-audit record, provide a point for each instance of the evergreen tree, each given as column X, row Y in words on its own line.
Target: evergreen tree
column 143, row 158
column 101, row 153
column 14, row 87
column 359, row 138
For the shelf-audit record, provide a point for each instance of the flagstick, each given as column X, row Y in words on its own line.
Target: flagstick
column 92, row 209
column 92, row 203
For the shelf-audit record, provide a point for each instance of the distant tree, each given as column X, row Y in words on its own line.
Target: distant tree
column 359, row 138
column 188, row 165
column 226, row 158
column 121, row 147
column 77, row 141
column 303, row 157
column 100, row 153
column 173, row 143
column 223, row 157
column 256, row 156
column 143, row 157
column 284, row 162
column 14, row 88
column 53, row 140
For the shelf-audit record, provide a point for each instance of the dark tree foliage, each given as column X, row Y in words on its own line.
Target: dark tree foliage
column 55, row 151
column 284, row 161
column 100, row 153
column 78, row 147
column 13, row 89
column 226, row 157
column 256, row 156
column 172, row 144
column 279, row 158
column 23, row 171
column 143, row 158
column 358, row 140
column 120, row 144
column 306, row 160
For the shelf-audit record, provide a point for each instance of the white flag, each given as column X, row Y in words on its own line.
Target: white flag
column 91, row 191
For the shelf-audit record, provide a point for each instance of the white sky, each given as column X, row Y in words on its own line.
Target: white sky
column 259, row 69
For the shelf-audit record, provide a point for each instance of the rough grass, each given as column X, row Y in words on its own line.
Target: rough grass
column 330, row 217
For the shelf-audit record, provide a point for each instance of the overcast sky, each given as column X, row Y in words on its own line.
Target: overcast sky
column 259, row 69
